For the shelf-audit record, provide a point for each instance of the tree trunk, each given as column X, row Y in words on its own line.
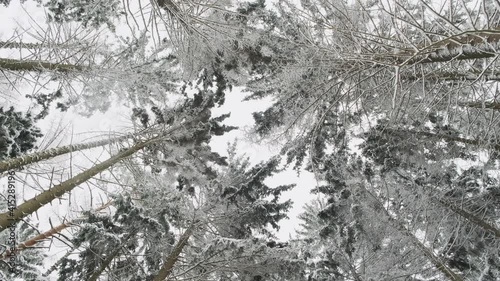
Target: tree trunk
column 170, row 261
column 19, row 45
column 40, row 46
column 169, row 6
column 104, row 264
column 34, row 240
column 33, row 65
column 9, row 218
column 425, row 251
column 95, row 275
column 51, row 232
column 472, row 218
column 452, row 76
column 440, row 136
column 468, row 45
column 21, row 161
column 488, row 105
column 457, row 210
column 353, row 271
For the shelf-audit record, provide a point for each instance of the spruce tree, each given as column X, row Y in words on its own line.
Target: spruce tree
column 18, row 133
column 218, row 218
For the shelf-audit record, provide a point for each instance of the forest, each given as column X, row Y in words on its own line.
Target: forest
column 390, row 104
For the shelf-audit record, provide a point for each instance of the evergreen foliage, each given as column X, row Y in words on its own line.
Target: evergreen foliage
column 236, row 205
column 18, row 134
column 392, row 107
column 45, row 100
column 29, row 262
column 89, row 13
column 128, row 230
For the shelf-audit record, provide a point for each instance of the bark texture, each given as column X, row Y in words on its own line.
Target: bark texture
column 33, row 65
column 11, row 217
column 21, row 161
column 49, row 233
column 172, row 258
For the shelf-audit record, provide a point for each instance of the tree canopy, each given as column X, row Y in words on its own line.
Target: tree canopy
column 392, row 105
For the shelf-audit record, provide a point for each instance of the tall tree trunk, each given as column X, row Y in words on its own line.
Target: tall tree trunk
column 104, row 264
column 49, row 233
column 468, row 45
column 39, row 46
column 352, row 268
column 171, row 259
column 31, row 242
column 25, row 209
column 20, row 45
column 21, row 161
column 436, row 261
column 452, row 76
column 33, row 65
column 457, row 210
column 489, row 105
column 440, row 136
column 95, row 275
column 471, row 217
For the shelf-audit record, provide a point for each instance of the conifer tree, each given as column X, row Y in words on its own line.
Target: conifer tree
column 18, row 133
column 217, row 220
column 366, row 240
